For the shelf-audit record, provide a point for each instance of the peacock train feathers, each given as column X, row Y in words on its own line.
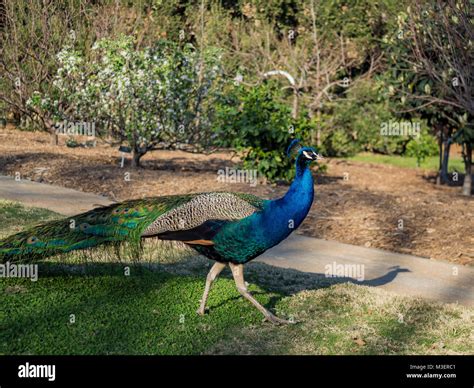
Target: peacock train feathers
column 229, row 228
column 127, row 222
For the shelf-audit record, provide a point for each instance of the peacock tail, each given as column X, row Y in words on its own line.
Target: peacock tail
column 167, row 217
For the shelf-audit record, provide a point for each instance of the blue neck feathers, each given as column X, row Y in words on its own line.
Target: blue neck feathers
column 284, row 215
column 299, row 198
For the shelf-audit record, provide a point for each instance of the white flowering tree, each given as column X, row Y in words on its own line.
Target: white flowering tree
column 159, row 97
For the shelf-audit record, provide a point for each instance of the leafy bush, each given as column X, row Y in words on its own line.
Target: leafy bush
column 421, row 147
column 72, row 143
column 352, row 124
column 339, row 142
column 259, row 128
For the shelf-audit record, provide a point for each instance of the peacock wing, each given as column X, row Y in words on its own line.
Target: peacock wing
column 198, row 220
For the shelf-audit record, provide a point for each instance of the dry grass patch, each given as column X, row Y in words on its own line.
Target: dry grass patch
column 352, row 319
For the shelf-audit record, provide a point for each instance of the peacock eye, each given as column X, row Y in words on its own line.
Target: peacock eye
column 84, row 226
column 31, row 240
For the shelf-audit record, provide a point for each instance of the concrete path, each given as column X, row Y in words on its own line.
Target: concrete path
column 55, row 198
column 402, row 274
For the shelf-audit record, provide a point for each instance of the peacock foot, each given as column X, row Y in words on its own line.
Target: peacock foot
column 278, row 321
column 201, row 311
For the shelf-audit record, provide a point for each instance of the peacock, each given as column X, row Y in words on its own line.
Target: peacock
column 226, row 227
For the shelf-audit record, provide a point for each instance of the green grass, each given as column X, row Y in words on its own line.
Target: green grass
column 144, row 313
column 152, row 311
column 15, row 217
column 430, row 163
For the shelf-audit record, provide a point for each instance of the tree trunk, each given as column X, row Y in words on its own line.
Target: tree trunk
column 296, row 103
column 318, row 132
column 440, row 143
column 467, row 156
column 136, row 156
column 54, row 138
column 53, row 131
column 444, row 167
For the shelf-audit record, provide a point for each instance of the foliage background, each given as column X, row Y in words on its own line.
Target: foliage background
column 350, row 62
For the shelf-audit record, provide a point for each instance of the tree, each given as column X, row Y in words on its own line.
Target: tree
column 157, row 97
column 31, row 34
column 432, row 55
column 321, row 49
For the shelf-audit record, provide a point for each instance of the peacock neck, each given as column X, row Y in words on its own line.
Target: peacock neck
column 297, row 201
column 282, row 216
column 301, row 191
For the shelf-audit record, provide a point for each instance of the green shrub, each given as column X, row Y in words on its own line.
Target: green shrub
column 72, row 143
column 422, row 147
column 259, row 128
column 339, row 143
column 352, row 124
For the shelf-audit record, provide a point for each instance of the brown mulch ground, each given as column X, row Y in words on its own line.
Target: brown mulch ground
column 356, row 203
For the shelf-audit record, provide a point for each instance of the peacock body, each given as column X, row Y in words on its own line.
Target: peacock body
column 229, row 228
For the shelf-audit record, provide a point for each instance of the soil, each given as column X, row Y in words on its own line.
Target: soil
column 371, row 205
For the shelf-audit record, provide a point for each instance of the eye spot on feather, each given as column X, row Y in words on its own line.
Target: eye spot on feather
column 103, row 216
column 90, row 217
column 84, row 226
column 32, row 240
column 116, row 211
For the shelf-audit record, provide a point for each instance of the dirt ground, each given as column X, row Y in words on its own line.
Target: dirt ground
column 372, row 205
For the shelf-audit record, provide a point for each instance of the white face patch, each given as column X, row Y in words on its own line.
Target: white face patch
column 307, row 154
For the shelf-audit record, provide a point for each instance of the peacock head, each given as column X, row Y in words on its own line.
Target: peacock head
column 303, row 155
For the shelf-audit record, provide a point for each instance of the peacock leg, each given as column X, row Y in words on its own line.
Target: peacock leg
column 238, row 273
column 211, row 276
